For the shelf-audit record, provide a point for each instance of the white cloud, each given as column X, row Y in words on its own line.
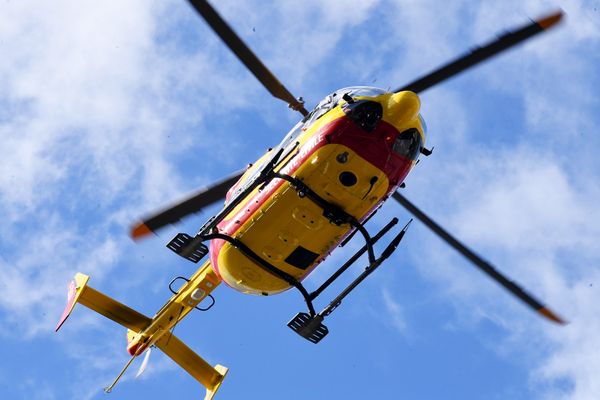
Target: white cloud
column 35, row 273
column 529, row 205
column 573, row 357
column 535, row 221
column 394, row 310
column 85, row 142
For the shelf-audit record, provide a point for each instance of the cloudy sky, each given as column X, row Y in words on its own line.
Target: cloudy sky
column 110, row 109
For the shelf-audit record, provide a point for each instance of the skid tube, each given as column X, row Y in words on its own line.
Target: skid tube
column 308, row 325
column 311, row 327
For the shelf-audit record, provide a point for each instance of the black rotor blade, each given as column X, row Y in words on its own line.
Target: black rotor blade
column 192, row 204
column 246, row 56
column 478, row 261
column 480, row 54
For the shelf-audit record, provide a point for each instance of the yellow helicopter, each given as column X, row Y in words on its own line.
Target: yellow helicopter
column 289, row 210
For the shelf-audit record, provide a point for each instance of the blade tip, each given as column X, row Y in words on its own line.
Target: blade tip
column 139, row 231
column 549, row 314
column 551, row 20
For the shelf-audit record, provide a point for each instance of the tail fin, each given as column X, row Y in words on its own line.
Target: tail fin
column 80, row 292
column 211, row 378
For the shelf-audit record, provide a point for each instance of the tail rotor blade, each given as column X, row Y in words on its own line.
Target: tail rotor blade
column 144, row 363
column 483, row 265
column 482, row 53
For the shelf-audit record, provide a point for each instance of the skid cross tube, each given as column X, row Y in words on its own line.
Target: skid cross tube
column 311, row 327
column 353, row 259
column 332, row 212
column 368, row 271
column 265, row 176
column 364, row 222
column 238, row 244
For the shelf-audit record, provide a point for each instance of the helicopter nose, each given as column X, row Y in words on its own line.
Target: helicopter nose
column 402, row 106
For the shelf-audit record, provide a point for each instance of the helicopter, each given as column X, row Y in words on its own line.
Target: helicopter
column 284, row 214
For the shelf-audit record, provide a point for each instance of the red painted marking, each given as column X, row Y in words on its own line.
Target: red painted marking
column 375, row 147
column 136, row 348
column 71, row 293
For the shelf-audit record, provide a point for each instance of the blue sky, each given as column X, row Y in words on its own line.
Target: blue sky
column 111, row 109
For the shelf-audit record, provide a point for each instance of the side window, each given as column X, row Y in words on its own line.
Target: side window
column 291, row 136
column 315, row 115
column 325, row 105
column 408, row 144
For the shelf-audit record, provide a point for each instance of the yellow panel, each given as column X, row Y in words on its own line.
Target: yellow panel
column 291, row 221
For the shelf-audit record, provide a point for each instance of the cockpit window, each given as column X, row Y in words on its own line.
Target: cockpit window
column 408, row 144
column 325, row 105
column 290, row 137
column 423, row 124
column 333, row 99
column 367, row 91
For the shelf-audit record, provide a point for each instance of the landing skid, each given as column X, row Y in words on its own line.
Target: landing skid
column 308, row 325
column 311, row 327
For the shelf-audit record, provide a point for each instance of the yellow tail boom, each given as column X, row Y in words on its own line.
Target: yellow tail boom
column 156, row 331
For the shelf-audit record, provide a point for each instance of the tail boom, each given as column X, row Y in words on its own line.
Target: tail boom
column 144, row 332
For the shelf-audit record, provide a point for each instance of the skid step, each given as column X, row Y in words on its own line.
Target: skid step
column 310, row 328
column 180, row 243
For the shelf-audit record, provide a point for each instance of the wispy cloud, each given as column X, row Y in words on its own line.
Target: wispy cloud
column 523, row 203
column 395, row 312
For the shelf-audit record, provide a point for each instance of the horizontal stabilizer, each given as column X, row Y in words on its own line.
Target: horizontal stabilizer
column 210, row 377
column 80, row 292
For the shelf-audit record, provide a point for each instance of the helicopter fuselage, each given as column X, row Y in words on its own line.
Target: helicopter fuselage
column 353, row 153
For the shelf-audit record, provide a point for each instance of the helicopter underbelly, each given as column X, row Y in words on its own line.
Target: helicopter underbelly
column 289, row 231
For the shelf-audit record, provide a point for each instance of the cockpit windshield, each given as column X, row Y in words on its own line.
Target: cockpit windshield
column 369, row 91
column 423, row 124
column 333, row 99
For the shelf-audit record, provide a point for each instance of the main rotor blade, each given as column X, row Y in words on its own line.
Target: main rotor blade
column 192, row 204
column 478, row 261
column 246, row 56
column 480, row 54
